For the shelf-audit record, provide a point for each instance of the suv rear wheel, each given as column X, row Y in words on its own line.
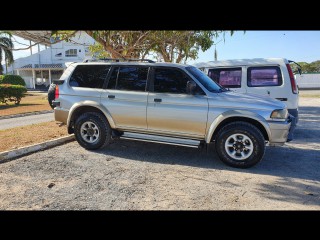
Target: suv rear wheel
column 240, row 144
column 92, row 131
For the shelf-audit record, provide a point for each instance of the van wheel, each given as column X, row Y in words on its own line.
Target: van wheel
column 240, row 144
column 92, row 131
column 51, row 94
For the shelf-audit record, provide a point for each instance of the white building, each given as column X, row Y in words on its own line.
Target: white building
column 40, row 69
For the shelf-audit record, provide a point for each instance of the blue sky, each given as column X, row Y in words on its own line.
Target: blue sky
column 300, row 46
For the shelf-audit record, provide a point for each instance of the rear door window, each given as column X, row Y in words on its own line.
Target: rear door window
column 264, row 76
column 226, row 77
column 129, row 78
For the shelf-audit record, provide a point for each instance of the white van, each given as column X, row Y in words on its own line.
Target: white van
column 271, row 77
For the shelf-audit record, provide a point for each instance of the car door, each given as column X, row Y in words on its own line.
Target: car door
column 125, row 96
column 171, row 110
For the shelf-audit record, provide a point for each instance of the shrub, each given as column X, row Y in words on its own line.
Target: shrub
column 12, row 79
column 12, row 93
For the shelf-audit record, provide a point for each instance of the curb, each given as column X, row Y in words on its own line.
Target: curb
column 26, row 114
column 12, row 154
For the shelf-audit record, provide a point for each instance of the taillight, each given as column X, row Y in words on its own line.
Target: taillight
column 292, row 80
column 56, row 92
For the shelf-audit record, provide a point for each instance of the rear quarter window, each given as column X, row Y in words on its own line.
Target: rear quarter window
column 264, row 76
column 89, row 76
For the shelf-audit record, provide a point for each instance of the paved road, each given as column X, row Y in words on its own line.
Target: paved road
column 130, row 175
column 27, row 120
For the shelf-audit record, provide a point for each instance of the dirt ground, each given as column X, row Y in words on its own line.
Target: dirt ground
column 31, row 134
column 132, row 175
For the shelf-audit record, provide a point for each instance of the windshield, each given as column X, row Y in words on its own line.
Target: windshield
column 207, row 82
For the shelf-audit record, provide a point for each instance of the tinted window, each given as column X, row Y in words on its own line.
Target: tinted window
column 113, row 78
column 210, row 85
column 129, row 78
column 169, row 80
column 264, row 76
column 89, row 76
column 226, row 77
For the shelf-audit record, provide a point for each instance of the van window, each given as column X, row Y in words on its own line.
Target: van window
column 264, row 76
column 226, row 77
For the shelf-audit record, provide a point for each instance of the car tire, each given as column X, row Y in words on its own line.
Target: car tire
column 51, row 94
column 240, row 144
column 92, row 131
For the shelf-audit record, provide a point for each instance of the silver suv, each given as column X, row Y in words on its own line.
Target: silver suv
column 166, row 103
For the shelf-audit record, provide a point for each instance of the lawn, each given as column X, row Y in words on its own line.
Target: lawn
column 28, row 135
column 32, row 102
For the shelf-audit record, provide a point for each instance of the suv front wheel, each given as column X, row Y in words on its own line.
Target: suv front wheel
column 92, row 131
column 240, row 144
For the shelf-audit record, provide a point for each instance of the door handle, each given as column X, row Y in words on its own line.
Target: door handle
column 111, row 96
column 158, row 100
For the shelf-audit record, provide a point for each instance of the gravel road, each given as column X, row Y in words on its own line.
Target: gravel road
column 134, row 175
column 27, row 120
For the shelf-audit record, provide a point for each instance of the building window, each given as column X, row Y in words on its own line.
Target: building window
column 226, row 77
column 264, row 76
column 71, row 53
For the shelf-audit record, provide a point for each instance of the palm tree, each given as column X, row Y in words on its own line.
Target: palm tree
column 6, row 46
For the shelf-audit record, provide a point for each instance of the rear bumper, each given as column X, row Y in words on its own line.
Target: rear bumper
column 279, row 132
column 61, row 114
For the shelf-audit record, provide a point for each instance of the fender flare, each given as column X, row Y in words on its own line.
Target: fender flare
column 94, row 104
column 236, row 113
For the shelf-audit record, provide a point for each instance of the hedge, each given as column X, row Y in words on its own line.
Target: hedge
column 12, row 79
column 12, row 93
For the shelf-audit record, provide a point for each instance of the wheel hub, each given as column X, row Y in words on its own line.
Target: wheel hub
column 239, row 146
column 90, row 131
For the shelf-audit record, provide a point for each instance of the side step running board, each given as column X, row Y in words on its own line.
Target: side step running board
column 161, row 139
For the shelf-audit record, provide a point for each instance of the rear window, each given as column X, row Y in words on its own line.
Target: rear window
column 89, row 76
column 226, row 77
column 264, row 76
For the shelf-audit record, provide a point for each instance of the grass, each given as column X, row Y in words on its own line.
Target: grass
column 32, row 102
column 28, row 135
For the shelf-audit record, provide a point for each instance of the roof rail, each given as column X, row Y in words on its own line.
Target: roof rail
column 118, row 60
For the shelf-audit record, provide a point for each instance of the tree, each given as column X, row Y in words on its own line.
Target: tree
column 307, row 67
column 121, row 44
column 171, row 46
column 175, row 46
column 6, row 46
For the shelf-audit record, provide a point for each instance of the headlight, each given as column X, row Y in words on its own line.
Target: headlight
column 279, row 114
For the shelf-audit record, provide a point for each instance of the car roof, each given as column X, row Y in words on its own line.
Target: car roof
column 161, row 64
column 241, row 62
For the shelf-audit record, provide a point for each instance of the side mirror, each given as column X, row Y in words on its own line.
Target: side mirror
column 191, row 87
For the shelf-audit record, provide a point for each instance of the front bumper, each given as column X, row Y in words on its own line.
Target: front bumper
column 279, row 132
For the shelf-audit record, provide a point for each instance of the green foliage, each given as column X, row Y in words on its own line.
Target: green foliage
column 12, row 79
column 313, row 67
column 171, row 46
column 6, row 46
column 12, row 93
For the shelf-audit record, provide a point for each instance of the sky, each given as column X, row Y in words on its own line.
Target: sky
column 299, row 46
